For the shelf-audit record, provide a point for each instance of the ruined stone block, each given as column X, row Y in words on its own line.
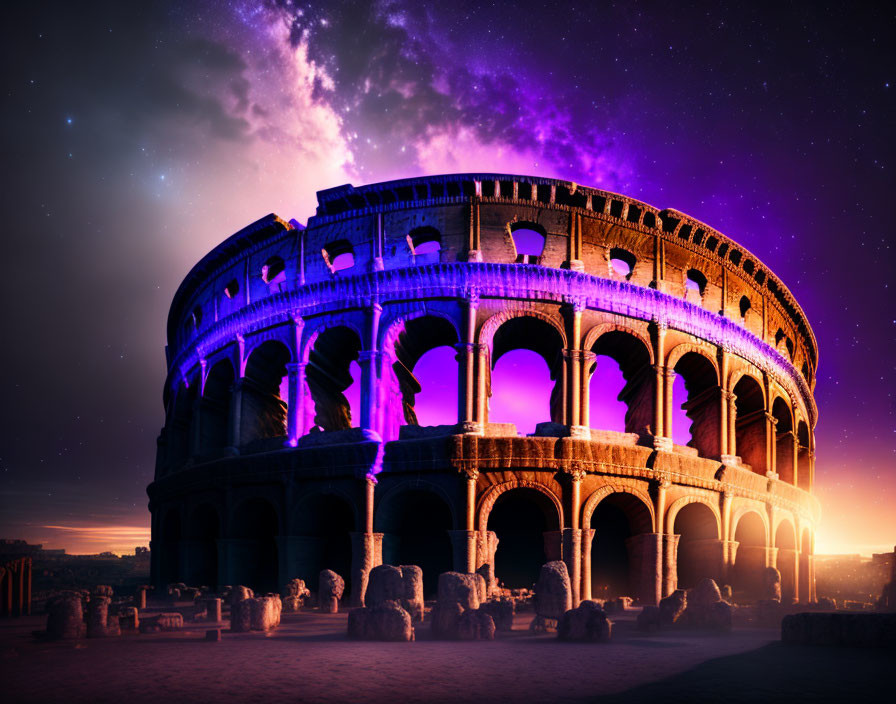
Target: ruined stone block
column 387, row 622
column 587, row 622
column 330, row 590
column 66, row 616
column 553, row 593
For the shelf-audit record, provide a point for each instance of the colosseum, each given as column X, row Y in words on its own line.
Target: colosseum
column 291, row 442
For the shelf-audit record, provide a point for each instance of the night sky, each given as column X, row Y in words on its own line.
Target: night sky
column 135, row 137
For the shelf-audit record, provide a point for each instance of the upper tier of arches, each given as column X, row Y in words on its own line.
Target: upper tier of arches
column 493, row 218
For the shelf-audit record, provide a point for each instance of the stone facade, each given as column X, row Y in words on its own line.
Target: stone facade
column 264, row 475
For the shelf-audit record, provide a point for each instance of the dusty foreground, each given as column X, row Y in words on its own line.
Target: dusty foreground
column 308, row 659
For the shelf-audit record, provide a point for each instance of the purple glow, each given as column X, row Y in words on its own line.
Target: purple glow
column 521, row 391
column 353, row 394
column 436, row 404
column 346, row 260
column 428, row 247
column 528, row 242
column 606, row 411
column 681, row 424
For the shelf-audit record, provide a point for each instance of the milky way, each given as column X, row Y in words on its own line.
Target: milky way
column 136, row 137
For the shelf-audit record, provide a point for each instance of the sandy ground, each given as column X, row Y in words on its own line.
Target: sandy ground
column 308, row 659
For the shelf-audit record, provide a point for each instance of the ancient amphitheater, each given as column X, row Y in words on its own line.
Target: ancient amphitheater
column 265, row 474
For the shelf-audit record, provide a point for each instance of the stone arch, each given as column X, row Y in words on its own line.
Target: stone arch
column 203, row 532
column 673, row 357
column 743, row 510
column 415, row 519
column 617, row 488
column 678, row 504
column 282, row 335
column 633, row 355
column 488, row 329
column 751, row 426
column 697, row 401
column 736, row 376
column 750, row 530
column 214, row 409
column 253, row 529
column 329, row 352
column 696, row 523
column 490, row 496
column 598, row 331
column 390, row 328
column 623, row 544
column 520, row 531
column 313, row 330
column 264, row 406
column 405, row 340
column 321, row 522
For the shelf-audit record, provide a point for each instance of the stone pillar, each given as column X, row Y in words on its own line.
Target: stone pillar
column 670, row 563
column 729, row 556
column 732, row 424
column 727, row 412
column 586, row 540
column 466, row 398
column 295, row 402
column 572, row 556
column 463, row 549
column 482, row 384
column 645, row 559
column 235, row 426
column 668, row 381
column 573, row 360
column 588, row 359
column 787, row 562
column 770, row 435
column 368, row 361
column 486, row 546
column 367, row 553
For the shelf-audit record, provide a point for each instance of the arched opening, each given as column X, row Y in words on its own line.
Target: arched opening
column 750, row 427
column 751, row 556
column 415, row 525
column 422, row 344
column 323, row 527
column 263, row 412
column 695, row 282
column 787, row 561
column 702, row 404
column 196, row 317
column 214, row 414
column 339, row 255
column 699, row 549
column 785, row 440
column 329, row 376
column 803, row 457
column 520, row 382
column 203, row 543
column 254, row 546
column 273, row 273
column 621, row 355
column 425, row 244
column 617, row 567
column 805, row 586
column 744, row 306
column 622, row 263
column 528, row 241
column 232, row 289
column 169, row 561
column 180, row 423
column 527, row 526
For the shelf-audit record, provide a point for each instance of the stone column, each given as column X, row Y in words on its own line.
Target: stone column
column 645, row 559
column 585, row 407
column 482, row 377
column 368, row 361
column 466, row 406
column 367, row 553
column 787, row 562
column 463, row 550
column 670, row 563
column 668, row 381
column 235, row 427
column 732, row 424
column 586, row 540
column 572, row 556
column 295, row 403
column 770, row 435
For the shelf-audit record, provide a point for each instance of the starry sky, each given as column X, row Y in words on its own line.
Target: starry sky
column 136, row 136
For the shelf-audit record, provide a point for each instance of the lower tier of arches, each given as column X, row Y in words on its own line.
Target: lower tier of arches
column 618, row 535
